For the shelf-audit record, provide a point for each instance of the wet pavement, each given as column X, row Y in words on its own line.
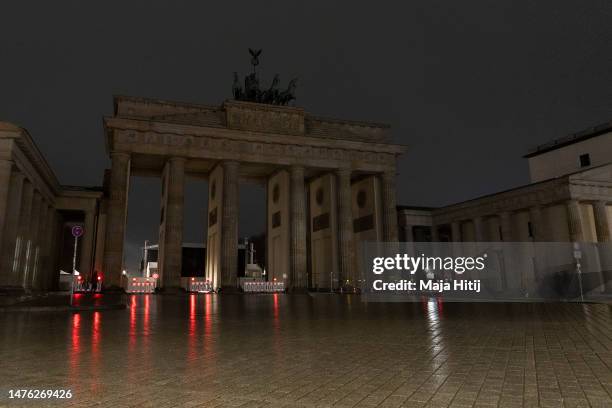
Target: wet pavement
column 310, row 351
column 62, row 301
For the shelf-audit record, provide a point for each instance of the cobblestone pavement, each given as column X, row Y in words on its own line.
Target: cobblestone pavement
column 311, row 351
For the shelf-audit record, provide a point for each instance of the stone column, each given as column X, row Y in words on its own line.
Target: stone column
column 299, row 274
column 173, row 236
column 602, row 221
column 456, row 238
column 389, row 208
column 507, row 235
column 539, row 234
column 505, row 222
column 116, row 219
column 6, row 167
column 32, row 242
column 408, row 233
column 86, row 242
column 435, row 233
column 23, row 232
column 346, row 249
column 52, row 272
column 37, row 255
column 479, row 235
column 456, row 231
column 604, row 243
column 47, row 242
column 229, row 233
column 11, row 226
column 574, row 219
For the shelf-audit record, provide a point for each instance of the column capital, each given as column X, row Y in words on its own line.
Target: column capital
column 177, row 159
column 388, row 175
column 343, row 172
column 296, row 171
column 230, row 163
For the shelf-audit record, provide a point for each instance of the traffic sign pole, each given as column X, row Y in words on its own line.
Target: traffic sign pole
column 77, row 231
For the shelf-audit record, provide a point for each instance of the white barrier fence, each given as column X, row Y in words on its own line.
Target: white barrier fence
column 262, row 286
column 79, row 285
column 200, row 285
column 141, row 285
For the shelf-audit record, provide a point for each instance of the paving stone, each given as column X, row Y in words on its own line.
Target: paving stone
column 311, row 351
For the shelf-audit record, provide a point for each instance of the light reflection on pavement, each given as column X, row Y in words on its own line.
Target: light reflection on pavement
column 321, row 350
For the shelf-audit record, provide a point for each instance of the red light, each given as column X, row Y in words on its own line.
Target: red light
column 155, row 276
column 80, row 277
column 133, row 279
column 192, row 279
column 99, row 278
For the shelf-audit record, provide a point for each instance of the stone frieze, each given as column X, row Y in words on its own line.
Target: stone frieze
column 264, row 149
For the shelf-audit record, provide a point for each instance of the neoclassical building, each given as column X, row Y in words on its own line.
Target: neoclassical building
column 569, row 199
column 330, row 187
column 36, row 215
column 330, row 184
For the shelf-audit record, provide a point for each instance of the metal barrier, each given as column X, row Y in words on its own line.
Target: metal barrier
column 141, row 285
column 79, row 285
column 262, row 287
column 200, row 285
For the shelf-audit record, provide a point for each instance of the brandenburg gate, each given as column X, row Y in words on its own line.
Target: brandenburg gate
column 330, row 185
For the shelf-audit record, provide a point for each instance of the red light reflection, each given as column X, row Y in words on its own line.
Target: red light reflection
column 193, row 327
column 75, row 350
column 95, row 350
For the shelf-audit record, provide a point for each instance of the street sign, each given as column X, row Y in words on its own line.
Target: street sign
column 77, row 231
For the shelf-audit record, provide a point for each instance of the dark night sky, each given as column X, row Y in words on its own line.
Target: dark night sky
column 469, row 86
